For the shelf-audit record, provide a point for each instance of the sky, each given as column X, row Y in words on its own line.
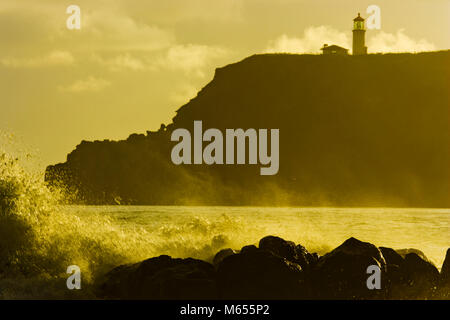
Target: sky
column 133, row 63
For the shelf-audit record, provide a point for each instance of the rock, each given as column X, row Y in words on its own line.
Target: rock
column 249, row 248
column 404, row 252
column 259, row 274
column 391, row 256
column 444, row 281
column 342, row 273
column 288, row 250
column 410, row 274
column 315, row 257
column 396, row 279
column 274, row 271
column 422, row 277
column 397, row 283
column 445, row 271
column 222, row 254
column 161, row 278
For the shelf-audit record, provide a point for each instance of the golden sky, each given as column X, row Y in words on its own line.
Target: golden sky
column 134, row 62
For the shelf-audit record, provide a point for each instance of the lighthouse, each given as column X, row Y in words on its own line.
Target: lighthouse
column 359, row 35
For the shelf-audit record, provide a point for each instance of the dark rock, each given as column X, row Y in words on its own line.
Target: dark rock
column 444, row 281
column 422, row 275
column 404, row 252
column 222, row 254
column 288, row 250
column 160, row 278
column 342, row 273
column 397, row 283
column 391, row 256
column 410, row 274
column 259, row 274
column 249, row 248
column 396, row 279
column 270, row 272
column 445, row 271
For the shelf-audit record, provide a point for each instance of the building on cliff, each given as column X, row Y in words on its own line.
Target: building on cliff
column 359, row 40
column 333, row 49
column 359, row 36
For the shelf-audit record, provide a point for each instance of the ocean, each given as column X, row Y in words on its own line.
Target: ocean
column 200, row 232
column 40, row 238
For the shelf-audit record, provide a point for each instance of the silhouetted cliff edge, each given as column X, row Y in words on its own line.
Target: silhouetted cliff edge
column 354, row 131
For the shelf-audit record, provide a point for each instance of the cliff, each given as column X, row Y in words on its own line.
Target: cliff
column 354, row 131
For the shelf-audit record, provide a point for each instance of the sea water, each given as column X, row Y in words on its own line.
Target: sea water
column 200, row 232
column 40, row 238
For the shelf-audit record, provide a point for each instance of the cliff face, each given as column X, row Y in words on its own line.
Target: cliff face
column 354, row 130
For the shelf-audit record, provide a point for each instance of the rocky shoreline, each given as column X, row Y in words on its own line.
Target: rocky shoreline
column 280, row 269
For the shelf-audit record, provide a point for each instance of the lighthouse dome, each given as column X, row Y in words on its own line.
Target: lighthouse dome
column 358, row 18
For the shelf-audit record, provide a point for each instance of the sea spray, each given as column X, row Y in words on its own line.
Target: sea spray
column 38, row 240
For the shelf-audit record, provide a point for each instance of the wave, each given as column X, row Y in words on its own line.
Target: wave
column 40, row 238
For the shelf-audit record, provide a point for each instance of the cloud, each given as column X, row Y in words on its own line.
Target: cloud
column 121, row 62
column 313, row 39
column 55, row 58
column 399, row 42
column 29, row 25
column 183, row 93
column 90, row 84
column 178, row 11
column 190, row 59
column 110, row 30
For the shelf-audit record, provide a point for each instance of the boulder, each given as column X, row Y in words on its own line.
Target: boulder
column 396, row 279
column 404, row 252
column 280, row 269
column 342, row 273
column 259, row 274
column 249, row 248
column 444, row 281
column 391, row 256
column 160, row 278
column 410, row 274
column 288, row 250
column 222, row 254
column 422, row 277
column 445, row 271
